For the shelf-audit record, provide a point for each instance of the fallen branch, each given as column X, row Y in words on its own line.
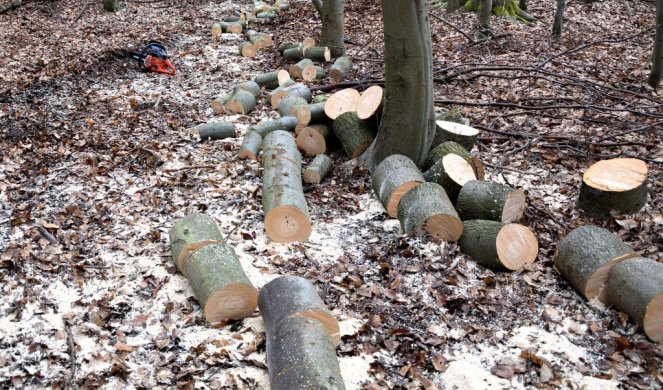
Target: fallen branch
column 469, row 38
column 47, row 235
column 190, row 167
column 71, row 346
column 11, row 6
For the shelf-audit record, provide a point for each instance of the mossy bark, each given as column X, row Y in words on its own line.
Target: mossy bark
column 601, row 203
column 490, row 200
column 354, row 134
column 191, row 233
column 508, row 8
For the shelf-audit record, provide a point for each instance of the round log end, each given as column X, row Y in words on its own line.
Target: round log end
column 218, row 107
column 234, row 301
column 327, row 320
column 369, row 102
column 594, row 288
column 653, row 322
column 309, row 73
column 286, row 224
column 277, row 96
column 458, row 169
column 311, row 142
column 514, row 206
column 341, row 102
column 282, row 76
column 445, row 227
column 399, row 192
column 516, row 246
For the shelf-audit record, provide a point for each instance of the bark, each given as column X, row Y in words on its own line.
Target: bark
column 293, row 54
column 333, row 21
column 492, row 244
column 216, row 131
column 522, row 4
column 270, row 80
column 657, row 55
column 286, row 123
column 341, row 67
column 278, row 92
column 490, row 200
column 451, row 172
column 241, row 103
column 249, row 86
column 287, row 45
column 559, row 18
column 462, row 134
column 313, row 113
column 250, row 146
column 218, row 105
column 300, row 90
column 442, row 150
column 290, row 105
column 354, row 134
column 393, row 178
column 317, row 169
column 319, row 54
column 191, row 233
column 297, row 69
column 484, row 17
column 408, row 120
column 507, row 8
column 427, row 209
column 111, row 5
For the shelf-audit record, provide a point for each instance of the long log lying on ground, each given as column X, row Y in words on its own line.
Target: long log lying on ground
column 341, row 102
column 618, row 185
column 301, row 356
column 290, row 105
column 342, row 66
column 273, row 79
column 312, row 113
column 490, row 200
column 370, row 102
column 393, row 178
column 286, row 213
column 216, row 131
column 427, row 209
column 502, row 246
column 251, row 145
column 464, row 135
column 635, row 287
column 287, row 123
column 315, row 139
column 299, row 68
column 293, row 296
column 281, row 93
column 191, row 233
column 451, row 172
column 354, row 134
column 317, row 169
column 586, row 256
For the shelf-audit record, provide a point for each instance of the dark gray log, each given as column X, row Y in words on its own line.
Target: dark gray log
column 427, row 209
column 216, row 131
column 393, row 178
column 490, row 200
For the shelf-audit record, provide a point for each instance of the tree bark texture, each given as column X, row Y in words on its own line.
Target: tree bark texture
column 657, row 55
column 333, row 22
column 317, row 169
column 191, row 233
column 484, row 16
column 427, row 209
column 392, row 179
column 559, row 18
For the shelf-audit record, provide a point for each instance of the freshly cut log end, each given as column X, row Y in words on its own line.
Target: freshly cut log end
column 612, row 185
column 369, row 102
column 393, row 178
column 320, row 54
column 216, row 30
column 219, row 283
column 493, row 244
column 310, row 73
column 464, row 135
column 287, row 45
column 241, row 103
column 635, row 287
column 452, row 172
column 287, row 223
column 313, row 113
column 249, row 86
column 290, row 296
column 312, row 140
column 354, row 134
column 342, row 66
column 442, row 150
column 190, row 234
column 216, row 131
column 250, row 146
column 490, row 200
column 317, row 169
column 308, row 43
column 586, row 256
column 246, row 49
column 427, row 209
column 218, row 105
column 341, row 102
column 271, row 80
column 297, row 69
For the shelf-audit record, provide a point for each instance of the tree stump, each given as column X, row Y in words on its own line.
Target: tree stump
column 617, row 185
column 490, row 200
column 464, row 135
column 314, row 140
column 451, row 172
column 191, row 233
column 250, row 146
column 341, row 102
column 496, row 245
column 393, row 178
column 635, row 287
column 586, row 256
column 216, row 131
column 317, row 169
column 354, row 134
column 427, row 209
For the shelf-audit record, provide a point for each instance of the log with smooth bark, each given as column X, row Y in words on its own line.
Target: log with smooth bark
column 272, row 80
column 220, row 284
column 341, row 67
column 300, row 90
column 315, row 139
column 635, row 287
column 218, row 105
column 451, row 172
column 287, row 123
column 312, row 113
column 278, row 91
column 297, row 69
column 294, row 296
column 216, row 131
column 320, row 73
column 354, row 134
column 586, row 256
column 427, row 209
column 319, row 54
column 300, row 356
column 287, row 45
column 448, row 147
column 190, row 234
column 241, row 103
column 246, row 49
column 249, row 86
column 496, row 245
column 464, row 135
column 316, row 171
column 333, row 22
column 258, row 39
column 308, row 43
column 294, row 53
column 290, row 105
column 341, row 102
column 615, row 185
column 392, row 179
column 233, row 27
column 370, row 102
column 490, row 200
column 251, row 145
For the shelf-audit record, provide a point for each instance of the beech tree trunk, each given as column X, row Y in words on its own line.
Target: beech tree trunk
column 559, row 17
column 333, row 21
column 657, row 55
column 111, row 5
column 484, row 17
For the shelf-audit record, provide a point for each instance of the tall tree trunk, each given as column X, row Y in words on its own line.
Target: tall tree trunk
column 484, row 17
column 408, row 119
column 522, row 4
column 657, row 55
column 559, row 17
column 331, row 34
column 453, row 5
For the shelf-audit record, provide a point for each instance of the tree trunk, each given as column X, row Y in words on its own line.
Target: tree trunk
column 657, row 56
column 559, row 17
column 484, row 17
column 522, row 4
column 408, row 119
column 111, row 5
column 333, row 21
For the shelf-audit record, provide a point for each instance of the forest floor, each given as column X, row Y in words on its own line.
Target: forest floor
column 99, row 155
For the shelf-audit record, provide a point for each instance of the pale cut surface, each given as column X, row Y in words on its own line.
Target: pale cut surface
column 369, row 102
column 392, row 206
column 249, row 51
column 277, row 97
column 341, row 102
column 458, row 169
column 311, row 142
column 653, row 322
column 457, row 128
column 308, row 43
column 514, row 206
column 287, row 224
column 308, row 73
column 235, row 107
column 190, row 249
column 516, row 246
column 616, row 175
column 303, row 116
column 234, row 301
column 445, row 227
column 282, row 76
column 597, row 281
column 328, row 321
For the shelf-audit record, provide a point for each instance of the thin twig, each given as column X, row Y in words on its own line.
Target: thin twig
column 469, row 38
column 72, row 354
column 47, row 235
column 191, row 167
column 80, row 13
column 643, row 128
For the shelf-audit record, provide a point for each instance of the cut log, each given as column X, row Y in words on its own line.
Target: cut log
column 250, row 146
column 241, row 103
column 616, row 185
column 369, row 102
column 219, row 104
column 293, row 54
column 286, row 123
column 317, row 169
column 354, row 134
column 297, row 69
column 219, row 283
column 290, row 105
column 249, row 86
column 427, row 209
column 342, row 66
column 259, row 40
column 451, row 172
column 586, row 255
column 233, row 27
column 448, row 147
column 216, row 30
column 293, row 296
column 464, row 135
column 319, row 99
column 490, row 200
column 280, row 93
column 246, row 49
column 312, row 113
column 635, row 287
column 341, row 102
column 272, row 80
column 320, row 73
column 319, row 54
column 308, row 43
column 393, row 178
column 314, row 140
column 286, row 213
column 300, row 356
column 496, row 245
column 191, row 233
column 216, row 131
column 287, row 45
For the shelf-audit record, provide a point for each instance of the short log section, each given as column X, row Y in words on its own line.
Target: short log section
column 392, row 179
column 287, row 123
column 635, row 287
column 272, row 80
column 464, row 135
column 290, row 105
column 316, row 171
column 341, row 67
column 247, row 49
column 313, row 113
column 427, row 209
column 500, row 246
column 354, row 134
column 281, row 93
column 191, row 233
column 216, row 131
column 449, row 147
column 251, row 145
column 490, row 200
column 341, row 102
column 314, row 140
column 241, row 103
column 452, row 172
column 617, row 185
column 585, row 257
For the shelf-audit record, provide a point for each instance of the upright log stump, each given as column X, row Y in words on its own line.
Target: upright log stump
column 452, row 172
column 490, row 200
column 392, row 179
column 617, row 185
column 354, row 134
column 341, row 102
column 586, row 256
column 496, row 245
column 427, row 209
column 635, row 287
